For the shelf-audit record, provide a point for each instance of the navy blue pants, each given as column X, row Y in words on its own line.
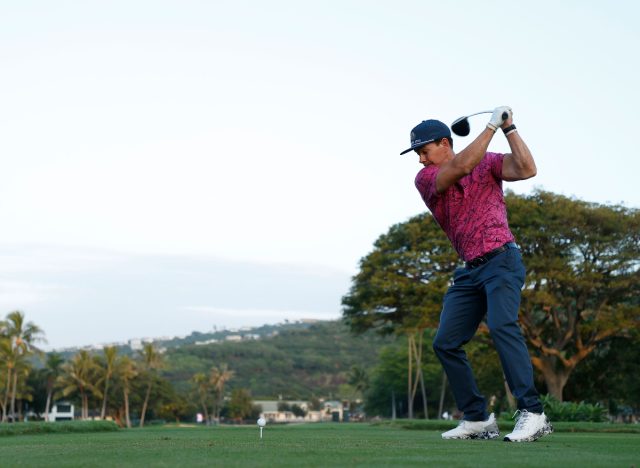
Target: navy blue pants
column 492, row 290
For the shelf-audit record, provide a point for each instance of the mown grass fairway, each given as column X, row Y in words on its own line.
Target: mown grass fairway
column 311, row 445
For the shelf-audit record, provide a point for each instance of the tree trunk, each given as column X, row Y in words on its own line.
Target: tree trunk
column 126, row 407
column 206, row 412
column 393, row 405
column 555, row 376
column 104, row 399
column 417, row 352
column 409, row 380
column 85, row 405
column 424, row 395
column 443, row 388
column 47, row 407
column 6, row 396
column 144, row 405
column 13, row 395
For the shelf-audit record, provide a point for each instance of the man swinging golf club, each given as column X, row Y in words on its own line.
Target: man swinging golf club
column 464, row 193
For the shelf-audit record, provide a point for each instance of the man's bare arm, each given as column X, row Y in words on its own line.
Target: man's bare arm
column 519, row 164
column 464, row 162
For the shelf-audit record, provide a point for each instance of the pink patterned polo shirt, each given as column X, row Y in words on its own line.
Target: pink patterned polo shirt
column 472, row 212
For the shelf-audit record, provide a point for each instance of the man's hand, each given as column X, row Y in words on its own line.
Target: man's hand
column 497, row 118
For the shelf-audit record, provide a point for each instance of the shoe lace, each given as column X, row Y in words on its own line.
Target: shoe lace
column 522, row 419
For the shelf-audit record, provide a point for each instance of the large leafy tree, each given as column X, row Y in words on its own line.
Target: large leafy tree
column 581, row 290
column 399, row 290
column 583, row 278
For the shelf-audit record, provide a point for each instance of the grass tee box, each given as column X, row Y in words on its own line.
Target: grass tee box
column 311, row 445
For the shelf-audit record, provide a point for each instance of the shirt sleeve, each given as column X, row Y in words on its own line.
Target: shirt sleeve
column 426, row 184
column 494, row 160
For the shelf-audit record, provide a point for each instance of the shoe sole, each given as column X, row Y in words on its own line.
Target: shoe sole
column 479, row 436
column 547, row 429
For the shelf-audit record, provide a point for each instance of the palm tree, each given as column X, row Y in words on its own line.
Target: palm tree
column 125, row 371
column 152, row 361
column 79, row 376
column 218, row 378
column 22, row 337
column 110, row 353
column 7, row 358
column 52, row 369
column 203, row 387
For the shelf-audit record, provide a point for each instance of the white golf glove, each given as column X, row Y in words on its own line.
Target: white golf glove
column 497, row 117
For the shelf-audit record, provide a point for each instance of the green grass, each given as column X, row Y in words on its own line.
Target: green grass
column 507, row 425
column 311, row 445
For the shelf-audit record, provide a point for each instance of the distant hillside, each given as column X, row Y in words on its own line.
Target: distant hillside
column 295, row 360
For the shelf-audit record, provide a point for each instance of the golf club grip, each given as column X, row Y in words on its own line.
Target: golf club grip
column 505, row 115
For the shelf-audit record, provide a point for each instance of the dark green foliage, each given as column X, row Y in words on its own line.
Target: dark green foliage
column 57, row 427
column 295, row 363
column 583, row 278
column 401, row 282
column 571, row 411
column 610, row 375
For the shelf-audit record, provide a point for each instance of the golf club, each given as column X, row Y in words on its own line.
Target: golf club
column 461, row 125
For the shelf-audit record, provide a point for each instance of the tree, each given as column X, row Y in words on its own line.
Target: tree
column 582, row 287
column 583, row 280
column 110, row 356
column 399, row 289
column 22, row 337
column 79, row 376
column 124, row 372
column 202, row 387
column 240, row 404
column 218, row 378
column 52, row 370
column 151, row 361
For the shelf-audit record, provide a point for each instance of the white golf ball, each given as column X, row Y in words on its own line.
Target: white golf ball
column 262, row 422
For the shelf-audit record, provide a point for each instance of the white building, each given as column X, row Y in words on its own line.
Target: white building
column 61, row 411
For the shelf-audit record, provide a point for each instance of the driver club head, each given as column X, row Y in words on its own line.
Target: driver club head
column 461, row 126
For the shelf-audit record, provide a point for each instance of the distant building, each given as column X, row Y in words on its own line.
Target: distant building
column 135, row 344
column 205, row 342
column 61, row 411
column 233, row 338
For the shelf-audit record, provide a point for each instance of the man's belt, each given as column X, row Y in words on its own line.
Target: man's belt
column 476, row 262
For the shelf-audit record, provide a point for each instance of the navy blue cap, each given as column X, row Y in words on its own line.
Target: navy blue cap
column 427, row 131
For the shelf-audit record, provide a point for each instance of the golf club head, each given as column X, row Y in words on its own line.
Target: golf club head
column 461, row 126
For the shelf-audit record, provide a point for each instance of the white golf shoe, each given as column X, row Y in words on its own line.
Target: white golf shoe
column 529, row 427
column 474, row 430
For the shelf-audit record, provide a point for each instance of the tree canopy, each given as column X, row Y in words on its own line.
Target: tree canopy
column 582, row 286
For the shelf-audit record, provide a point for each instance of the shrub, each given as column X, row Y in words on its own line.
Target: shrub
column 571, row 411
column 56, row 427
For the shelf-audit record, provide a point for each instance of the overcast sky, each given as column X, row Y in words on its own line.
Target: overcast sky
column 169, row 166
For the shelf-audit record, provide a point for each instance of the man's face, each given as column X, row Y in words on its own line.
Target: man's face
column 433, row 153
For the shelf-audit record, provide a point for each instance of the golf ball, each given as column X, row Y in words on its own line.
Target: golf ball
column 262, row 422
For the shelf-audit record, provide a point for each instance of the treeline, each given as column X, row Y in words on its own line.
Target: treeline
column 218, row 380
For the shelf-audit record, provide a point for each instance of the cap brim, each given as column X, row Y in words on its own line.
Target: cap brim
column 417, row 145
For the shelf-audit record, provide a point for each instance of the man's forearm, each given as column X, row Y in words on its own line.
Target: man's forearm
column 471, row 156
